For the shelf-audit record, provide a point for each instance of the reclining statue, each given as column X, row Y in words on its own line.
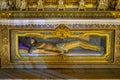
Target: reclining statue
column 61, row 48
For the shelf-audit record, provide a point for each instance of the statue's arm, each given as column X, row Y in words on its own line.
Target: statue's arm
column 43, row 51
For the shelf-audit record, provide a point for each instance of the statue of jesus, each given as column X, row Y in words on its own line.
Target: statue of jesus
column 61, row 48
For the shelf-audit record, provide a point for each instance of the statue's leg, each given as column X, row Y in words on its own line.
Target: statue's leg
column 82, row 44
column 89, row 46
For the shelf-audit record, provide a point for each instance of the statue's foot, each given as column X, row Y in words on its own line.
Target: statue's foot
column 100, row 49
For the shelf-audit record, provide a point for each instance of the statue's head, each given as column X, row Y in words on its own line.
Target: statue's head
column 33, row 41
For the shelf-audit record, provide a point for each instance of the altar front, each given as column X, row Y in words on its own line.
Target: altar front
column 60, row 33
column 99, row 43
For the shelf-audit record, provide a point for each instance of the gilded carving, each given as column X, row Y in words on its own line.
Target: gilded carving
column 4, row 52
column 23, row 4
column 40, row 5
column 4, row 5
column 93, row 33
column 55, row 6
column 62, row 31
column 5, row 55
column 103, row 4
column 46, row 14
column 61, row 5
column 118, row 5
column 81, row 5
column 118, row 43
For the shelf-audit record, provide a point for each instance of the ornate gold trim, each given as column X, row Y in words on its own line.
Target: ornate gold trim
column 60, row 14
column 106, row 59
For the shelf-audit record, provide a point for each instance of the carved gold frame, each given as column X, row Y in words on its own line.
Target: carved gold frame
column 62, row 61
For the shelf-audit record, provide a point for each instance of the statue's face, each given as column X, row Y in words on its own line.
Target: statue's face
column 32, row 41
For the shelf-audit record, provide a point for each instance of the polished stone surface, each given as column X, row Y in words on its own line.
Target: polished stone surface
column 60, row 73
